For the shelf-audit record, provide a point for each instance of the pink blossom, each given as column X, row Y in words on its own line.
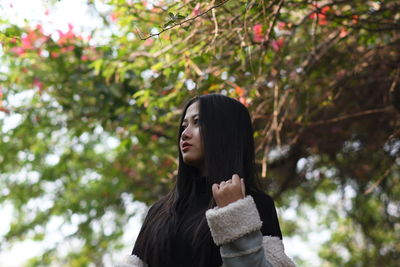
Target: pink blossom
column 281, row 25
column 196, row 10
column 38, row 83
column 18, row 50
column 46, row 13
column 70, row 27
column 26, row 42
column 340, row 74
column 258, row 33
column 39, row 28
column 84, row 58
column 243, row 101
column 114, row 16
column 277, row 44
column 54, row 54
column 64, row 37
column 148, row 42
column 343, row 32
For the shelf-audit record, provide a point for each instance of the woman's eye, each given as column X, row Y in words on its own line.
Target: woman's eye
column 196, row 121
column 183, row 127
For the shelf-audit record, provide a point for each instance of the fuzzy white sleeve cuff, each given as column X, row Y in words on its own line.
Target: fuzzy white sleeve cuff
column 234, row 220
column 275, row 252
column 131, row 261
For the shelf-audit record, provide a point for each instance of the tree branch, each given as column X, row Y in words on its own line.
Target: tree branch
column 184, row 21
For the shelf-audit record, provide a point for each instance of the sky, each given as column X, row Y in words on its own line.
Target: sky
column 57, row 17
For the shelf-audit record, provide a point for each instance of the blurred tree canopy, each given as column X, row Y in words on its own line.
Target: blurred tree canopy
column 97, row 126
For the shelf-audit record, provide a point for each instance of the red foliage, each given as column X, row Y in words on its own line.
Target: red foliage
column 355, row 19
column 3, row 109
column 320, row 14
column 240, row 91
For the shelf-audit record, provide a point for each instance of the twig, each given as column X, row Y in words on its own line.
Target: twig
column 345, row 117
column 184, row 21
column 276, row 17
column 372, row 187
column 275, row 115
column 395, row 80
column 216, row 26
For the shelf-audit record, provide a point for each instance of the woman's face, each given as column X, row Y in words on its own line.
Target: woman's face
column 191, row 143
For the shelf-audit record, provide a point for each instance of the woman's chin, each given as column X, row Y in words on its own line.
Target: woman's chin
column 191, row 162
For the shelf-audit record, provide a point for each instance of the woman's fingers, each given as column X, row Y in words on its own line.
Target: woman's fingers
column 228, row 191
column 243, row 187
column 214, row 189
column 236, row 180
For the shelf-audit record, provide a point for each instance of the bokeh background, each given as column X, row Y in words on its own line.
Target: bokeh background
column 91, row 92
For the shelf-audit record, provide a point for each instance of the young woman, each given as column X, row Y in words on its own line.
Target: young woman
column 216, row 214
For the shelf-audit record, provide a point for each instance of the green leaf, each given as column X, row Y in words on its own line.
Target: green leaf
column 180, row 17
column 168, row 23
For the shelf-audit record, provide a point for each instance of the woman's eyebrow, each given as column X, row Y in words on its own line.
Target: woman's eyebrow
column 194, row 115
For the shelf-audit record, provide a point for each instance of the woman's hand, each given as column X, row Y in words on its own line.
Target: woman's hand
column 229, row 191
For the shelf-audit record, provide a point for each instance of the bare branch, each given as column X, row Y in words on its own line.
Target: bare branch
column 345, row 117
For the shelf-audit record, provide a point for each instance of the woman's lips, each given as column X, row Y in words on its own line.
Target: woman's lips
column 186, row 147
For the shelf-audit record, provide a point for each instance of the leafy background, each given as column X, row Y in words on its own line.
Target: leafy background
column 96, row 129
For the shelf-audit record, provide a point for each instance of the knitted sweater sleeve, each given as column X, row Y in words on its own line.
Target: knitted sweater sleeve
column 236, row 228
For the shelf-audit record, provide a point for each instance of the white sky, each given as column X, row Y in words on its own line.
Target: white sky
column 77, row 13
column 59, row 15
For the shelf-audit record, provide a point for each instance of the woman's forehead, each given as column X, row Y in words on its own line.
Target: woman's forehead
column 192, row 110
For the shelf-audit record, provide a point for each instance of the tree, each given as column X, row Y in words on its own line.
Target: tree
column 319, row 77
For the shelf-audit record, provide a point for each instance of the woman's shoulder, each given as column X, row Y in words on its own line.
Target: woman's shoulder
column 156, row 207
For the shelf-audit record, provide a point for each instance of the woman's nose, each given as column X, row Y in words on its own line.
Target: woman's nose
column 186, row 134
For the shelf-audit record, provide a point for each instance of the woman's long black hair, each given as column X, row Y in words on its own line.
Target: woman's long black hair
column 227, row 135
